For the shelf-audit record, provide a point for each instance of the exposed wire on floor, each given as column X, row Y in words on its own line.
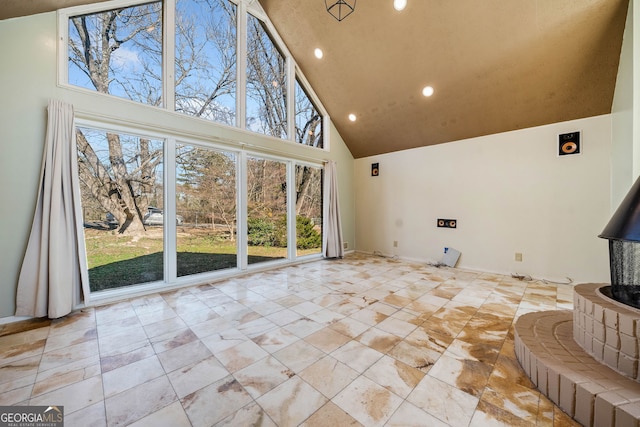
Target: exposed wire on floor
column 527, row 278
column 437, row 264
column 381, row 255
column 568, row 282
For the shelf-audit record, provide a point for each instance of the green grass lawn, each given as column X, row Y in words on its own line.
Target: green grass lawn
column 115, row 260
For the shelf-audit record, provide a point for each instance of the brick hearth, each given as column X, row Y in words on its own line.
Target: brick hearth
column 576, row 376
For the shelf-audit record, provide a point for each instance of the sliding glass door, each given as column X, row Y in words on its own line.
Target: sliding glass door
column 267, row 236
column 122, row 193
column 308, row 210
column 157, row 210
column 206, row 210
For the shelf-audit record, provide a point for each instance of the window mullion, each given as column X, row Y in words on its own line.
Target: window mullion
column 291, row 211
column 291, row 99
column 63, row 48
column 170, row 238
column 326, row 133
column 169, row 55
column 241, row 212
column 241, row 66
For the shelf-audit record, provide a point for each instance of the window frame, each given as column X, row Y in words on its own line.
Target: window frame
column 286, row 57
column 321, row 168
column 171, row 280
column 298, row 82
column 151, row 122
column 244, row 8
column 171, row 89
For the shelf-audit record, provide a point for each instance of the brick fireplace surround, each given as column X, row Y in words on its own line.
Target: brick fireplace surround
column 585, row 360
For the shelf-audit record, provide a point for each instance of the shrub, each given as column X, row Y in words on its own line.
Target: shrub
column 266, row 232
column 306, row 236
column 260, row 232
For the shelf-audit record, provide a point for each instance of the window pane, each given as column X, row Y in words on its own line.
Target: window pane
column 206, row 205
column 308, row 210
column 308, row 119
column 266, row 209
column 119, row 52
column 266, row 83
column 122, row 199
column 206, row 59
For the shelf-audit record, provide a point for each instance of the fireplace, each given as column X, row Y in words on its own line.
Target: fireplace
column 587, row 361
column 623, row 233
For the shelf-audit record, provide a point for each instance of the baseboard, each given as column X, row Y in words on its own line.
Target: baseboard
column 13, row 319
column 21, row 324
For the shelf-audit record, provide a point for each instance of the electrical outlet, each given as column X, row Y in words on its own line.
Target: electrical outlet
column 395, row 243
column 345, row 245
column 518, row 256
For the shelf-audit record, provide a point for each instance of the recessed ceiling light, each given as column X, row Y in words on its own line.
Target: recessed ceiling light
column 399, row 4
column 427, row 91
column 352, row 117
column 318, row 53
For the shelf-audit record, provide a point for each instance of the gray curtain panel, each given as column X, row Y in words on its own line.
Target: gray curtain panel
column 332, row 227
column 50, row 276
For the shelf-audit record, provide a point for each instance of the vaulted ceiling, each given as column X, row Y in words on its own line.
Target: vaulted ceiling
column 495, row 65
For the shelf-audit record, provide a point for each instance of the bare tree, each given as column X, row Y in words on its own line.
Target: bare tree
column 208, row 179
column 266, row 82
column 120, row 53
column 206, row 60
column 309, row 130
column 266, row 87
column 308, row 191
column 118, row 185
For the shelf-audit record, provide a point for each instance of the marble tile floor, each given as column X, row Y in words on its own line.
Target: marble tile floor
column 361, row 341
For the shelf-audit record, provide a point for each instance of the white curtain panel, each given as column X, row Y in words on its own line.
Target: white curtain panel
column 51, row 272
column 332, row 229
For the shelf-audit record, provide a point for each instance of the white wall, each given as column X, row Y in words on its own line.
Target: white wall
column 623, row 160
column 28, row 79
column 634, row 10
column 510, row 193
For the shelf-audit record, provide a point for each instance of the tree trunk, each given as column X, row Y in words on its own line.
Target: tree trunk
column 302, row 193
column 130, row 218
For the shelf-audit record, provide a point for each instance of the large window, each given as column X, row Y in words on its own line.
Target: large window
column 205, row 82
column 308, row 210
column 206, row 205
column 118, row 52
column 266, row 83
column 166, row 205
column 308, row 119
column 209, row 59
column 122, row 193
column 266, row 209
column 143, row 224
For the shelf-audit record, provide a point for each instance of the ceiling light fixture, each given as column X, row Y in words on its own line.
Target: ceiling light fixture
column 427, row 91
column 352, row 117
column 399, row 4
column 340, row 9
column 318, row 53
